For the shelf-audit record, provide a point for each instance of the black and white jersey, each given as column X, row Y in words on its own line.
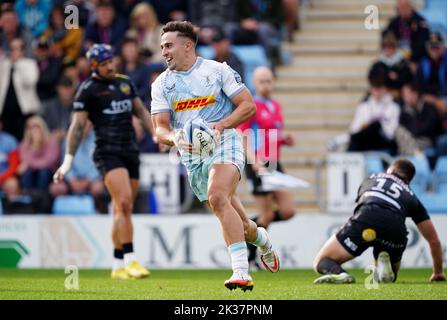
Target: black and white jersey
column 393, row 194
column 109, row 105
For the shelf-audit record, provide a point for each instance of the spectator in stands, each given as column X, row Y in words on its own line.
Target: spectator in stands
column 34, row 14
column 83, row 177
column 39, row 154
column 260, row 22
column 411, row 31
column 420, row 118
column 82, row 68
column 210, row 15
column 432, row 73
column 147, row 29
column 108, row 28
column 397, row 68
column 18, row 94
column 10, row 29
column 57, row 112
column 65, row 43
column 9, row 164
column 172, row 10
column 50, row 68
column 376, row 119
column 222, row 48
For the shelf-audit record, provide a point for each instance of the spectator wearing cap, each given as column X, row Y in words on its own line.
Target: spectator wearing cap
column 57, row 112
column 411, row 31
column 65, row 43
column 147, row 29
column 34, row 14
column 432, row 73
column 222, row 48
column 10, row 29
column 18, row 94
column 50, row 68
column 396, row 67
column 109, row 28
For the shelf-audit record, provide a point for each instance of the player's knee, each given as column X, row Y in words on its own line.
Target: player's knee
column 287, row 214
column 218, row 200
column 124, row 204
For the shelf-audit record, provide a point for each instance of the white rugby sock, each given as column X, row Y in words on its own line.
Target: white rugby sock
column 262, row 241
column 239, row 257
column 129, row 257
column 117, row 264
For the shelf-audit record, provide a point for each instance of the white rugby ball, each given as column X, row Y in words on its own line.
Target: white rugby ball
column 199, row 133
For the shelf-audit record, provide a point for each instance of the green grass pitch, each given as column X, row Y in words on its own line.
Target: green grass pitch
column 208, row 284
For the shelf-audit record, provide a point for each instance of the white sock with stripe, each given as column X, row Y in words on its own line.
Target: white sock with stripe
column 262, row 241
column 239, row 256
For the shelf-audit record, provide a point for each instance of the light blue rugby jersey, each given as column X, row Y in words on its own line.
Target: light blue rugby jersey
column 203, row 91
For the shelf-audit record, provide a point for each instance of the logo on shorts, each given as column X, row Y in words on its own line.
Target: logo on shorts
column 369, row 235
column 194, row 103
column 351, row 245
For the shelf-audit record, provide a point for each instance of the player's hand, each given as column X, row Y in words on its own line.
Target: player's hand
column 218, row 131
column 181, row 144
column 63, row 169
column 289, row 140
column 435, row 277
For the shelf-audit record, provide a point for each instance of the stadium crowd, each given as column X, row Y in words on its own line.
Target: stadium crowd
column 405, row 109
column 42, row 63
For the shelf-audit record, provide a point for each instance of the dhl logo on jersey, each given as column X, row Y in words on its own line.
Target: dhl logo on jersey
column 194, row 103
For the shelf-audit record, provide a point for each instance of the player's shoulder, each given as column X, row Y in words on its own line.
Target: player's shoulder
column 121, row 76
column 87, row 83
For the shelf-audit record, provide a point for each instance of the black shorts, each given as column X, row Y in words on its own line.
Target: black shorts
column 106, row 162
column 377, row 227
column 255, row 181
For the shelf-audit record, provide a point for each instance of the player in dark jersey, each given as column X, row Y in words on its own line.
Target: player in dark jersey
column 384, row 201
column 109, row 101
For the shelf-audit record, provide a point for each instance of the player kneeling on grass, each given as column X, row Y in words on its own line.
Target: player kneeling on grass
column 383, row 202
column 194, row 87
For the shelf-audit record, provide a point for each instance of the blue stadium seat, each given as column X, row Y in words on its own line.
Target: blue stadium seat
column 440, row 175
column 74, row 205
column 422, row 179
column 374, row 164
column 434, row 202
column 251, row 56
column 436, row 17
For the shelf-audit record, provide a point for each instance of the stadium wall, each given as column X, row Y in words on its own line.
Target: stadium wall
column 182, row 241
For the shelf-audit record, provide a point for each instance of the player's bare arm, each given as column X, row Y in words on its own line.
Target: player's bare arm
column 245, row 109
column 74, row 138
column 428, row 231
column 163, row 131
column 145, row 117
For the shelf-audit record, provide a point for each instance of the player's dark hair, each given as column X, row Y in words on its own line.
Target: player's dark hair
column 414, row 86
column 184, row 29
column 404, row 169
